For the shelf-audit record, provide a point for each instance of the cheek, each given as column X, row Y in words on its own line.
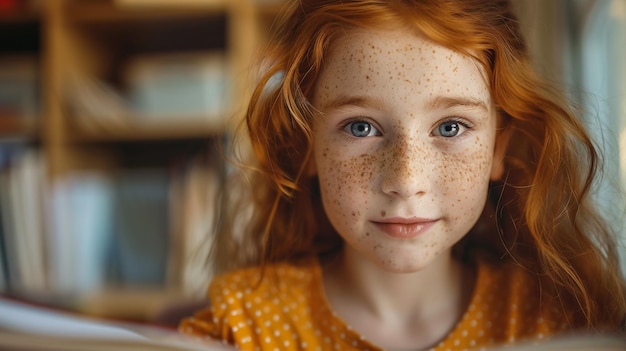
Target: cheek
column 465, row 179
column 344, row 180
column 468, row 168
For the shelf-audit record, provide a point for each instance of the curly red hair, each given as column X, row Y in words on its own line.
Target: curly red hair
column 540, row 215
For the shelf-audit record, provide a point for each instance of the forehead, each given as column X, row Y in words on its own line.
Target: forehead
column 363, row 61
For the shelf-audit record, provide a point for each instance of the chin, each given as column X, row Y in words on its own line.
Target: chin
column 400, row 266
column 411, row 262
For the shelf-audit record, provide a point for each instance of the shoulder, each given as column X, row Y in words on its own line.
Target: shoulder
column 505, row 275
column 259, row 280
column 250, row 306
column 508, row 305
column 263, row 289
column 514, row 297
column 510, row 283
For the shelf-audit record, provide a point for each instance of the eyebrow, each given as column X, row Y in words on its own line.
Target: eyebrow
column 362, row 101
column 455, row 101
column 434, row 103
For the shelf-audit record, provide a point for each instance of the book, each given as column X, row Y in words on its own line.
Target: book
column 4, row 265
column 24, row 326
column 19, row 79
column 109, row 230
column 27, row 192
column 192, row 87
column 6, row 227
column 80, row 232
column 21, row 195
column 139, row 249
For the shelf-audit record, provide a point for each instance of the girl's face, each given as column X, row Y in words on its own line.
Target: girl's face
column 404, row 146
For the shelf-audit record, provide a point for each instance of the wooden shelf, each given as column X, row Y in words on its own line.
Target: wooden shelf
column 107, row 12
column 99, row 41
column 148, row 131
column 19, row 17
column 25, row 127
column 137, row 304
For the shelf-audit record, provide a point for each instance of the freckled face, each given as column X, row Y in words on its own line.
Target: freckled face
column 403, row 147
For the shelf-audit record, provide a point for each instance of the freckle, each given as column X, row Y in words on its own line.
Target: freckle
column 383, row 213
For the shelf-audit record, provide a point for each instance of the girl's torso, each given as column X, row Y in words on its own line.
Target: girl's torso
column 288, row 310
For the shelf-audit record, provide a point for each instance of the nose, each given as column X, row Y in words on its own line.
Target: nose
column 407, row 169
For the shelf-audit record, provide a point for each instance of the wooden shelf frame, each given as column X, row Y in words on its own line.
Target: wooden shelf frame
column 88, row 37
column 73, row 41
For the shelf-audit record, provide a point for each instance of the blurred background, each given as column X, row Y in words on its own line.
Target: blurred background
column 113, row 112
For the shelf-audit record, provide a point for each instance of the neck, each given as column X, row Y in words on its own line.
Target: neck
column 390, row 294
column 418, row 307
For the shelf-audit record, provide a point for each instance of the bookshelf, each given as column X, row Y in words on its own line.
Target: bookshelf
column 118, row 99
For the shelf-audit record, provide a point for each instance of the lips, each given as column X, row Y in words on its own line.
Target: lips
column 405, row 228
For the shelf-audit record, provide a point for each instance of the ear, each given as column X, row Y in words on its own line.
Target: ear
column 503, row 135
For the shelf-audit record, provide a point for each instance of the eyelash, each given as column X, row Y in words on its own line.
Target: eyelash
column 461, row 121
column 350, row 121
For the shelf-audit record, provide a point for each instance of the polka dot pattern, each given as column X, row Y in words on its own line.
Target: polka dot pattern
column 287, row 310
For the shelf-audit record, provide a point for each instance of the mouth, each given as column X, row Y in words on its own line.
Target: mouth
column 404, row 228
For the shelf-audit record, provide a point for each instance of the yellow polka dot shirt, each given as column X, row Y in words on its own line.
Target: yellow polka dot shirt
column 288, row 310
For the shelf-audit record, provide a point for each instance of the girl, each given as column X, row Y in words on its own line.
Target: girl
column 415, row 186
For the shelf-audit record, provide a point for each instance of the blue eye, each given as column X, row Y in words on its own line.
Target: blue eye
column 449, row 129
column 361, row 129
